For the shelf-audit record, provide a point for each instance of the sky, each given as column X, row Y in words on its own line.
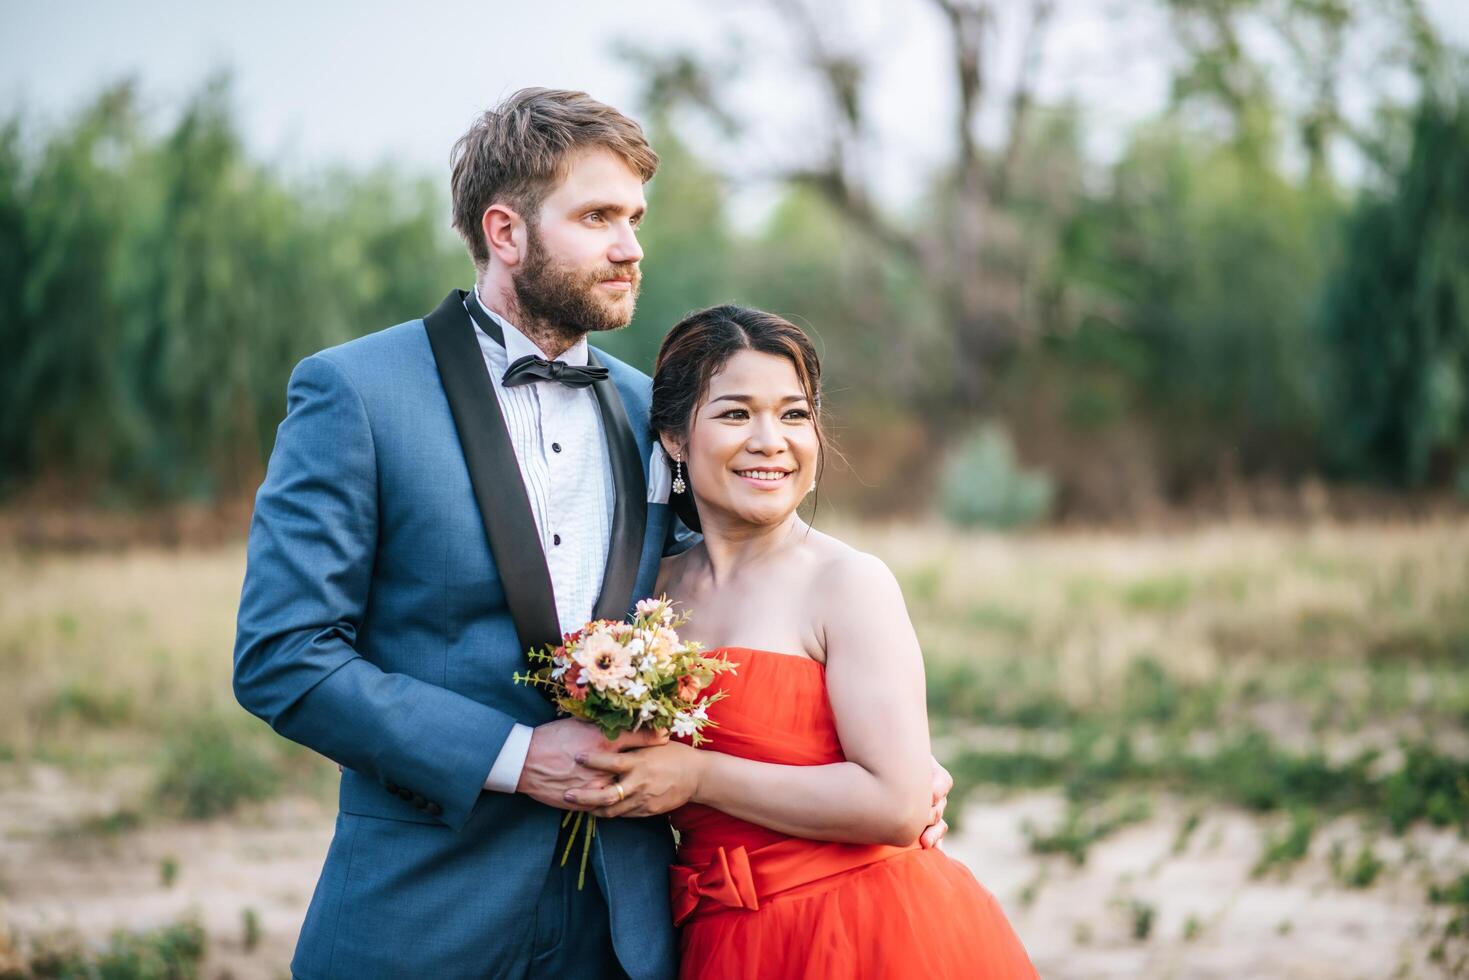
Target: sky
column 330, row 82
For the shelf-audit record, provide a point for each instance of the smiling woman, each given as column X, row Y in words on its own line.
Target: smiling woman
column 749, row 384
column 805, row 826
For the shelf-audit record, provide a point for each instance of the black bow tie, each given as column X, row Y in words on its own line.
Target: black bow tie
column 530, row 369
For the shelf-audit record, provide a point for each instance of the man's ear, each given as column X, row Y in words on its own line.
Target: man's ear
column 504, row 232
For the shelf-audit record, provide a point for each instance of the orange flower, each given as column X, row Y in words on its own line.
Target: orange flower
column 688, row 688
column 574, row 684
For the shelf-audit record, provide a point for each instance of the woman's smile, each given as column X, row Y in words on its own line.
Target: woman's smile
column 765, row 479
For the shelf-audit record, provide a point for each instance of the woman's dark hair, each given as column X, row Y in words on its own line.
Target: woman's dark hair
column 697, row 348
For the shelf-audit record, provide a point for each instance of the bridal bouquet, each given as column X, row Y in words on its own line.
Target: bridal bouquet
column 623, row 677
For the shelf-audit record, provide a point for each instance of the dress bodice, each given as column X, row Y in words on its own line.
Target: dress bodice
column 776, row 711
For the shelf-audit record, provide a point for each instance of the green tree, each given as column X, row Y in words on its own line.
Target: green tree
column 1396, row 315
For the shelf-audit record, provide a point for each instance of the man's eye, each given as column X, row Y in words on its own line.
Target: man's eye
column 594, row 216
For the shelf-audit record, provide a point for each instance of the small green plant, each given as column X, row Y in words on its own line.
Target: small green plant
column 1149, row 694
column 1165, row 595
column 90, row 704
column 173, row 952
column 1142, row 915
column 250, row 921
column 1186, row 832
column 112, row 824
column 212, row 766
column 168, row 870
column 1031, row 891
column 1361, row 871
column 1082, row 827
column 1192, row 928
column 1286, row 847
column 1454, row 894
column 982, row 484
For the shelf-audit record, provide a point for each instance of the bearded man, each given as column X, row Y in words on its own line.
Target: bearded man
column 442, row 496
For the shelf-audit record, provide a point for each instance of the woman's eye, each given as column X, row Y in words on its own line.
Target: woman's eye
column 798, row 413
column 735, row 413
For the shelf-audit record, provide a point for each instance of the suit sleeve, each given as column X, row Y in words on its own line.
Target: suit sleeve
column 308, row 579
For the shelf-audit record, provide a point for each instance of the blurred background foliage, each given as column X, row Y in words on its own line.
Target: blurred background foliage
column 1078, row 338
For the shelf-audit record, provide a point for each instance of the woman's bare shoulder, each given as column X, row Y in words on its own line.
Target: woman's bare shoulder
column 849, row 579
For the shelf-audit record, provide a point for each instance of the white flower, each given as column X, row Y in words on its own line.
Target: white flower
column 635, row 689
column 667, row 615
column 562, row 666
column 604, row 662
column 634, row 646
column 647, row 664
column 702, row 713
column 684, row 724
column 648, row 607
column 649, row 709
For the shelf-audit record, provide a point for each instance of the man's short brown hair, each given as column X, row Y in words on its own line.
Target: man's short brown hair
column 517, row 152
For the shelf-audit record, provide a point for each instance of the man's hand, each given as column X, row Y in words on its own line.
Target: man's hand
column 647, row 782
column 551, row 770
column 937, row 826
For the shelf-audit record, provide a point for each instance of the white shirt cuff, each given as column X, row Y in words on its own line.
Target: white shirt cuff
column 505, row 773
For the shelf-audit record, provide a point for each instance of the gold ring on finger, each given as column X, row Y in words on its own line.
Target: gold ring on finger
column 621, row 793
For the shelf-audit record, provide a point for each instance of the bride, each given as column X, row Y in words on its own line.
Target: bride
column 798, row 852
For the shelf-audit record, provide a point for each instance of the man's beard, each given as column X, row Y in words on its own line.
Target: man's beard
column 565, row 300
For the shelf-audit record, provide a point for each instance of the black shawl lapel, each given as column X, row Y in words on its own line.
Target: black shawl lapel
column 494, row 474
column 630, row 508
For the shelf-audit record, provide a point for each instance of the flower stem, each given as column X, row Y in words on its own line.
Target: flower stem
column 581, row 879
column 571, row 839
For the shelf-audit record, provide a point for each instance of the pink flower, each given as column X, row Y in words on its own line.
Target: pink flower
column 662, row 644
column 688, row 688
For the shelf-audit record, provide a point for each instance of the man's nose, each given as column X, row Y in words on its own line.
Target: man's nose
column 625, row 248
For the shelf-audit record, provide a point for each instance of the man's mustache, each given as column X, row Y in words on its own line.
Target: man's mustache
column 627, row 270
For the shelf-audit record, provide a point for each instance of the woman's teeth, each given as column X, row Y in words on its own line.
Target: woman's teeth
column 763, row 474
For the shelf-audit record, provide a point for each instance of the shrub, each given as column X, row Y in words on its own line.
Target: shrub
column 982, row 484
column 211, row 767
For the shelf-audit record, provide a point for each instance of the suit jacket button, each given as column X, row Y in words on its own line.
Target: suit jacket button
column 434, row 809
column 391, row 788
column 405, row 794
column 419, row 801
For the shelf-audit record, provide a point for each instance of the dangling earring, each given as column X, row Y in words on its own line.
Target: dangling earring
column 679, row 486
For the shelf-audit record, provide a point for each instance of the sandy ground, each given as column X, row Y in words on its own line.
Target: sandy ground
column 1077, row 922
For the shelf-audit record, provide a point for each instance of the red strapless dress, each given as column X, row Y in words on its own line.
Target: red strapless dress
column 755, row 903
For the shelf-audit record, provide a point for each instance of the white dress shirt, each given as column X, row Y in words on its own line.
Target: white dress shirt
column 559, row 442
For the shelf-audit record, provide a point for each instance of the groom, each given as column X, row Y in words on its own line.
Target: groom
column 442, row 496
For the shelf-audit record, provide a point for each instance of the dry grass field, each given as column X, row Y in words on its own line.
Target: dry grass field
column 1232, row 752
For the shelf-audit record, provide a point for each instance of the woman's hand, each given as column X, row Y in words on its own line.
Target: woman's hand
column 937, row 827
column 647, row 781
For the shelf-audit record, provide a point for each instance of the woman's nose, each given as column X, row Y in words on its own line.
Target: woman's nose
column 764, row 435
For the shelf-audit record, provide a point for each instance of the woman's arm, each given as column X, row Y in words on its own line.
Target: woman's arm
column 883, row 793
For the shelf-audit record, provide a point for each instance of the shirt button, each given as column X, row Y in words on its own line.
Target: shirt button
column 555, row 539
column 555, row 447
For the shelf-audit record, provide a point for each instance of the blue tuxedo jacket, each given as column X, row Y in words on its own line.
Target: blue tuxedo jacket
column 390, row 594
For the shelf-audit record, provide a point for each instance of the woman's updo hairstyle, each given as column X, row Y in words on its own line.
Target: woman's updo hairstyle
column 697, row 348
